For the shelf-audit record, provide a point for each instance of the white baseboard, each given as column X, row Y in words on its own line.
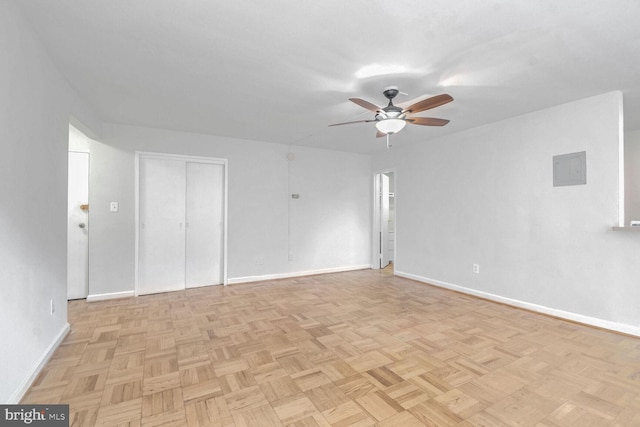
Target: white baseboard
column 204, row 286
column 246, row 279
column 17, row 396
column 567, row 315
column 236, row 280
column 112, row 295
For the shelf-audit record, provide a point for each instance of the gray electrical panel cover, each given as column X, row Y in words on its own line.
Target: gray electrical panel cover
column 570, row 169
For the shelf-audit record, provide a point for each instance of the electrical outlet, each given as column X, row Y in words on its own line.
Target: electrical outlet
column 290, row 256
column 476, row 268
column 53, row 307
column 259, row 261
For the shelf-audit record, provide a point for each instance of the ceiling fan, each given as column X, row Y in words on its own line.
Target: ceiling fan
column 392, row 119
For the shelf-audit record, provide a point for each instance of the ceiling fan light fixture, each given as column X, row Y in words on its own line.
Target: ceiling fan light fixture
column 390, row 126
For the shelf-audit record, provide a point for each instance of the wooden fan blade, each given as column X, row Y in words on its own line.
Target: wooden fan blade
column 411, row 101
column 427, row 104
column 427, row 121
column 349, row 123
column 365, row 104
column 380, row 134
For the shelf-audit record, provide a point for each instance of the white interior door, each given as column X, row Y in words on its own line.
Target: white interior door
column 384, row 220
column 161, row 246
column 205, row 183
column 78, row 226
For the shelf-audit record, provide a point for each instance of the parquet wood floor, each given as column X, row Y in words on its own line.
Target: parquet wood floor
column 350, row 349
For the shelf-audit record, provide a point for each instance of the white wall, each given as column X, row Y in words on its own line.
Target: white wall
column 331, row 220
column 35, row 108
column 326, row 228
column 632, row 176
column 485, row 196
column 78, row 141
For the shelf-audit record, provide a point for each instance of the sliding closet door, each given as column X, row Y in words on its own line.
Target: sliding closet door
column 161, row 247
column 205, row 184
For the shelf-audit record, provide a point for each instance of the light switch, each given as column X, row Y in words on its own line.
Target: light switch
column 113, row 207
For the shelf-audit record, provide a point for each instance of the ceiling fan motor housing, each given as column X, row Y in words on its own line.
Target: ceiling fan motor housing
column 391, row 92
column 391, row 111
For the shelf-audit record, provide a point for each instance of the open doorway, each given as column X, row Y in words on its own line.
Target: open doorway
column 78, row 215
column 383, row 253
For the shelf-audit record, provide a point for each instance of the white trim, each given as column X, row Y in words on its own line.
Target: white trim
column 246, row 279
column 136, row 221
column 185, row 157
column 621, row 188
column 17, row 395
column 375, row 223
column 193, row 287
column 567, row 315
column 225, row 189
column 224, row 221
column 110, row 295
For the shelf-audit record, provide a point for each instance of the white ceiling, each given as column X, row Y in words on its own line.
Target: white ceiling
column 282, row 70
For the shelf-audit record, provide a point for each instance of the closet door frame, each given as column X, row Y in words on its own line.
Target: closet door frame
column 186, row 158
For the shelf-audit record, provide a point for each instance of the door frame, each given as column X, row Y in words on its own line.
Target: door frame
column 200, row 159
column 375, row 220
